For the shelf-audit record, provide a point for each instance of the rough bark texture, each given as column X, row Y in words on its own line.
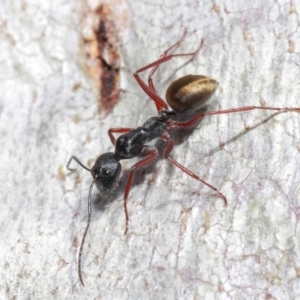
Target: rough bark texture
column 182, row 242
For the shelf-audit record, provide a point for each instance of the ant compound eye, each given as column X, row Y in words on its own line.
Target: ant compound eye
column 106, row 172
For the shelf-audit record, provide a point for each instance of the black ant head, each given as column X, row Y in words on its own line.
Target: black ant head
column 106, row 172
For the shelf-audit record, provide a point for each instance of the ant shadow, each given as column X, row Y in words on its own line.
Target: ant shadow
column 244, row 132
column 179, row 137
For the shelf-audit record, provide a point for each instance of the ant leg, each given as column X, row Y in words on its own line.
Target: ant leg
column 78, row 161
column 165, row 136
column 249, row 108
column 150, row 154
column 164, row 54
column 159, row 102
column 173, row 125
column 111, row 131
column 150, row 81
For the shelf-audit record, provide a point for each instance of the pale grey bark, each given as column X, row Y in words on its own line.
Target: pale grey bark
column 182, row 242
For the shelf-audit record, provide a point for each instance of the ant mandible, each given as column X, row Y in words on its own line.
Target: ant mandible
column 185, row 94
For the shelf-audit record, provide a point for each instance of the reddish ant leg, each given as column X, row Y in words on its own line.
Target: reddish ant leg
column 159, row 102
column 249, row 108
column 164, row 54
column 169, row 147
column 150, row 90
column 151, row 154
column 173, row 125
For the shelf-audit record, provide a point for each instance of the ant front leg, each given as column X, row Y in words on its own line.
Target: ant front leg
column 165, row 136
column 150, row 154
column 150, row 90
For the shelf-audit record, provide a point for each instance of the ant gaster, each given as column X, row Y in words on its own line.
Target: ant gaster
column 185, row 94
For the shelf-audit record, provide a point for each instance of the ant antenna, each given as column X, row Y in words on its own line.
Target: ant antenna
column 89, row 213
column 85, row 232
column 79, row 162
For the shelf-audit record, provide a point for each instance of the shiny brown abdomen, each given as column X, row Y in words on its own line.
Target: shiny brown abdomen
column 190, row 92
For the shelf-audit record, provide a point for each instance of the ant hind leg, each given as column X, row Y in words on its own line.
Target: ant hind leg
column 150, row 89
column 169, row 147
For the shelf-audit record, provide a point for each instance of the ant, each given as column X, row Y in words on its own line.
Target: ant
column 186, row 94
